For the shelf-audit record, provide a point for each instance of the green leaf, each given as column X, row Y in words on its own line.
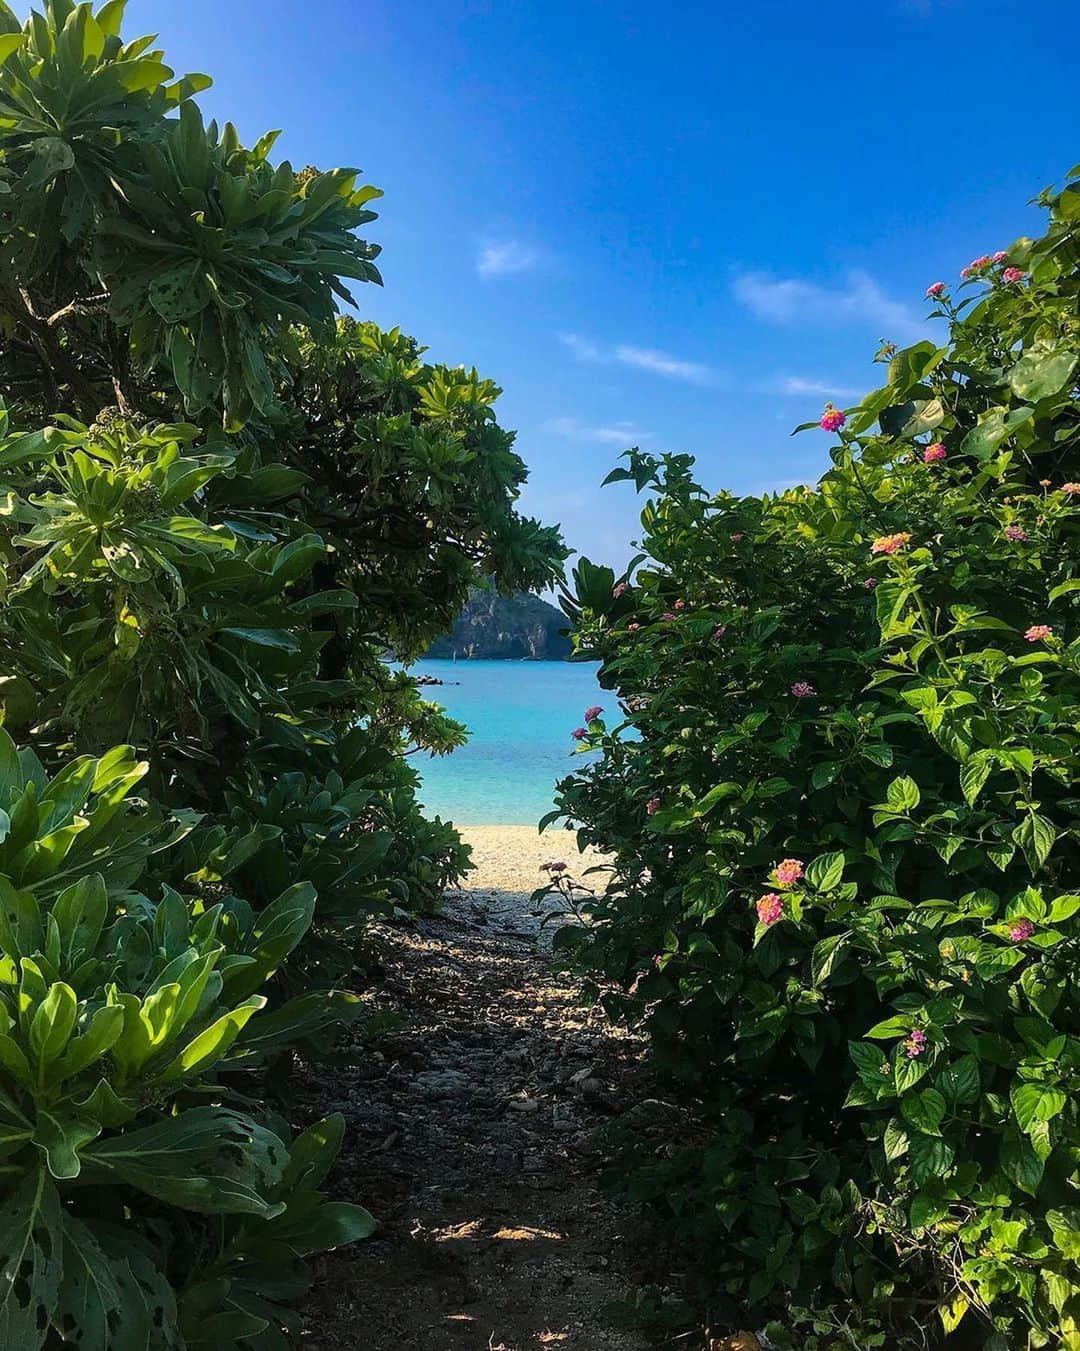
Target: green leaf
column 1039, row 373
column 931, row 1157
column 30, row 1261
column 825, row 871
column 924, row 1110
column 974, row 773
column 827, row 953
column 1064, row 1224
column 1035, row 1102
column 1035, row 835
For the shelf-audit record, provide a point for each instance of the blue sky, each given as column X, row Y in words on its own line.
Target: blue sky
column 684, row 225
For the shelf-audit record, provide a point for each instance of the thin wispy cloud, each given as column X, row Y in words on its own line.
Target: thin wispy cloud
column 506, row 258
column 793, row 301
column 618, row 434
column 640, row 358
column 661, row 363
column 798, row 386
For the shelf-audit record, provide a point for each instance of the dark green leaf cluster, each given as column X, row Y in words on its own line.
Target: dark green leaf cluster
column 844, row 839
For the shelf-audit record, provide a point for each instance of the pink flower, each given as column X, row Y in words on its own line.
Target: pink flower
column 938, row 289
column 770, row 908
column 669, row 614
column 832, row 419
column 789, row 871
column 803, row 690
column 579, row 733
column 1071, row 488
column 870, row 583
column 1011, row 274
column 934, row 453
column 890, row 544
column 619, row 590
column 1021, row 931
column 719, row 632
column 652, row 806
column 632, row 628
column 977, row 264
column 1000, row 256
column 965, row 272
column 556, row 867
column 593, row 712
column 1016, row 533
column 680, row 605
column 738, row 537
column 1038, row 632
column 915, row 1044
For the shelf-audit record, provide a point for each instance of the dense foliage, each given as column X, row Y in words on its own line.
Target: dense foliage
column 842, row 810
column 221, row 505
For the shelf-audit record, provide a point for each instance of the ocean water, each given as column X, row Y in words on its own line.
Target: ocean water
column 520, row 715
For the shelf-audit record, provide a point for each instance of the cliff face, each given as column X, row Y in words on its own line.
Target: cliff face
column 514, row 628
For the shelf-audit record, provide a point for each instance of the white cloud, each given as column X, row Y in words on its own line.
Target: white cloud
column 618, row 434
column 649, row 359
column 641, row 358
column 793, row 301
column 505, row 258
column 798, row 385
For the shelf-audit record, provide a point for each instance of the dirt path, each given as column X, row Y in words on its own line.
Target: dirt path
column 468, row 1138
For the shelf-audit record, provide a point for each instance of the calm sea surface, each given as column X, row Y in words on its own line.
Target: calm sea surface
column 520, row 715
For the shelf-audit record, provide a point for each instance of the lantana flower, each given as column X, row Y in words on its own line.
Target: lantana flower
column 652, row 806
column 802, row 689
column 1013, row 274
column 593, row 712
column 579, row 733
column 1038, row 633
column 1021, row 931
column 1071, row 488
column 937, row 289
column 890, row 544
column 1016, row 533
column 788, row 871
column 770, row 908
column 832, row 419
column 619, row 589
column 934, row 453
column 915, row 1044
column 1000, row 256
column 556, row 867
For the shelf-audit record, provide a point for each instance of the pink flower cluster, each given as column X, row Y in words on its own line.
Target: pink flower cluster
column 1021, row 931
column 770, row 908
column 933, row 453
column 832, row 419
column 1013, row 274
column 890, row 544
column 740, row 535
column 719, row 632
column 669, row 614
column 789, row 871
column 1071, row 488
column 619, row 590
column 1000, row 256
column 870, row 583
column 633, row 628
column 556, row 867
column 593, row 712
column 1016, row 533
column 915, row 1044
column 579, row 733
column 652, row 806
column 1038, row 633
column 976, row 265
column 937, row 289
column 802, row 689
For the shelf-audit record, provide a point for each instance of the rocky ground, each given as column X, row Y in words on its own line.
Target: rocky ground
column 470, row 1117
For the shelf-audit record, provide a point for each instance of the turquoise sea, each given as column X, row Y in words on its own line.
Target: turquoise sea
column 520, row 715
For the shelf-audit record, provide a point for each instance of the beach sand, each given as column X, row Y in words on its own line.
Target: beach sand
column 510, row 858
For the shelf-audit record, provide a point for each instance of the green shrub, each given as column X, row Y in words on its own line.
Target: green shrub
column 117, row 1014
column 844, row 836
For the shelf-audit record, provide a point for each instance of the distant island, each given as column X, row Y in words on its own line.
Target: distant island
column 521, row 627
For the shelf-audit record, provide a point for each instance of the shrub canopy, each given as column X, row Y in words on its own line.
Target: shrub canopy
column 844, row 833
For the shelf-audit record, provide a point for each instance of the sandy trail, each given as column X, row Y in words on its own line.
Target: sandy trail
column 469, row 1125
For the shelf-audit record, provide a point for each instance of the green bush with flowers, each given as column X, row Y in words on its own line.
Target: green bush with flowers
column 842, row 811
